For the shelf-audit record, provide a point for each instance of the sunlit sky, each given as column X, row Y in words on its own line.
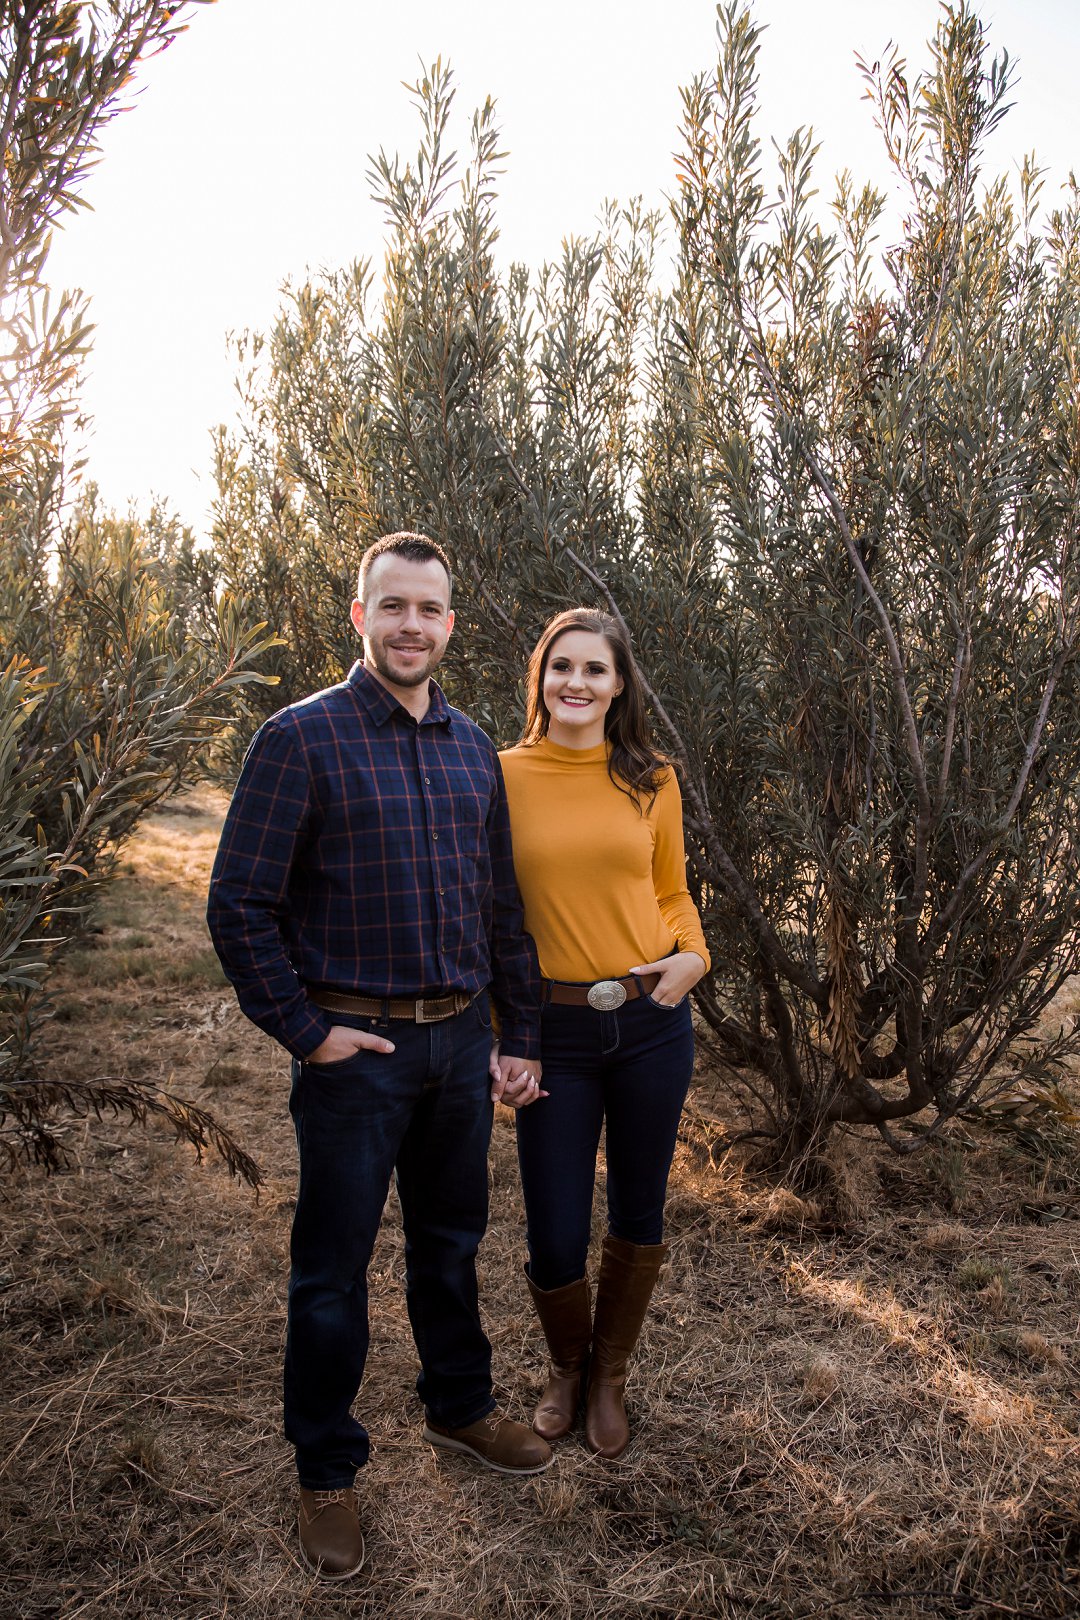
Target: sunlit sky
column 243, row 162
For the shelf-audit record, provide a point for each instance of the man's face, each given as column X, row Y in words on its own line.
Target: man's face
column 405, row 620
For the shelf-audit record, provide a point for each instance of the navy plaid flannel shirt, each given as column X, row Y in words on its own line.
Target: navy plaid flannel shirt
column 370, row 853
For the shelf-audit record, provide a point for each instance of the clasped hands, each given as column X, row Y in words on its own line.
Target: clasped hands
column 514, row 1081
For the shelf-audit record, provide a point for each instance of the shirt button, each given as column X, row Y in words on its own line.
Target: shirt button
column 427, row 781
column 442, row 891
column 434, row 835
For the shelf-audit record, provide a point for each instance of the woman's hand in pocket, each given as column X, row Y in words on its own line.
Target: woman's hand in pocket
column 678, row 975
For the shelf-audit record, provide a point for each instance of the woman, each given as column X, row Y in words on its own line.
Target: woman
column 596, row 818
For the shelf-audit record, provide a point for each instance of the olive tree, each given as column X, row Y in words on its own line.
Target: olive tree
column 116, row 662
column 831, row 492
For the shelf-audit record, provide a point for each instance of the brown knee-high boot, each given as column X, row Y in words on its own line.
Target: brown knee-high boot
column 566, row 1319
column 628, row 1273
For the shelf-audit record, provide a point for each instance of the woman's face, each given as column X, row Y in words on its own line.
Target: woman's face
column 580, row 681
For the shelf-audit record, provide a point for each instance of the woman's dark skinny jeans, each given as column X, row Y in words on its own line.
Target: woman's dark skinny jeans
column 630, row 1068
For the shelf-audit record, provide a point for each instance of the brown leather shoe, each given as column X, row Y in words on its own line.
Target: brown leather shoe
column 330, row 1536
column 566, row 1318
column 497, row 1442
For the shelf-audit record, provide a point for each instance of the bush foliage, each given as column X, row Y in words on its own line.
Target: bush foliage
column 113, row 670
column 833, row 493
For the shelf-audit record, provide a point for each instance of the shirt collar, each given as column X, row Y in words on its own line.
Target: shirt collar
column 381, row 705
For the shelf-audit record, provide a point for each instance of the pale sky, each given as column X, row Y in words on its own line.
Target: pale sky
column 243, row 163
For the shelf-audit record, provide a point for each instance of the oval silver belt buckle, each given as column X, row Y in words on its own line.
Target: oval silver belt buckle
column 606, row 994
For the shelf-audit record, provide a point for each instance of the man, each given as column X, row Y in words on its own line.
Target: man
column 362, row 901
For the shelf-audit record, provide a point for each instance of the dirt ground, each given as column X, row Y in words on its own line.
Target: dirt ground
column 871, row 1416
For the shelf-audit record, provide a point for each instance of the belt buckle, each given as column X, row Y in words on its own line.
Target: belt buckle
column 420, row 1015
column 605, row 995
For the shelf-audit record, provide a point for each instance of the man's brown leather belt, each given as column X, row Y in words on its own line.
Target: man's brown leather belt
column 604, row 994
column 424, row 1010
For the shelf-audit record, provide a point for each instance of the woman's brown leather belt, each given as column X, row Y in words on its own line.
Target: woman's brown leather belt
column 604, row 995
column 422, row 1010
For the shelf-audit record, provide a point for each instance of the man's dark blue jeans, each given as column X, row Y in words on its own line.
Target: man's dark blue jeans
column 423, row 1111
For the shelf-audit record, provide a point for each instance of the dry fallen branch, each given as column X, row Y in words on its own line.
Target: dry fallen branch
column 36, row 1137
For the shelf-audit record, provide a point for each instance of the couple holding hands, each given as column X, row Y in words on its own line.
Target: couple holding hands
column 382, row 877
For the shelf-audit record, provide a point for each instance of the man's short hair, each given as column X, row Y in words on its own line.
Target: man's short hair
column 413, row 547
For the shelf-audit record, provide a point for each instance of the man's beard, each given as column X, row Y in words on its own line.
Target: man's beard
column 377, row 654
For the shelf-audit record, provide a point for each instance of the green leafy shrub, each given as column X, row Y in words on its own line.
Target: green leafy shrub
column 115, row 675
column 835, row 498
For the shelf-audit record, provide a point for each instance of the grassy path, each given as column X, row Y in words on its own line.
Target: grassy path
column 875, row 1416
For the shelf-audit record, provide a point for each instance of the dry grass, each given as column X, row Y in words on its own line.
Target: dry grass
column 873, row 1418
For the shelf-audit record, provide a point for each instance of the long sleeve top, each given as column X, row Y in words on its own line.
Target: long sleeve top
column 367, row 852
column 604, row 882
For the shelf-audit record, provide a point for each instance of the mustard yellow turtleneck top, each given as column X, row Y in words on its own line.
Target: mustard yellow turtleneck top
column 604, row 883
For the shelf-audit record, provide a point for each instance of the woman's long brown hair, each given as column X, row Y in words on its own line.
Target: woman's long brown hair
column 633, row 764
